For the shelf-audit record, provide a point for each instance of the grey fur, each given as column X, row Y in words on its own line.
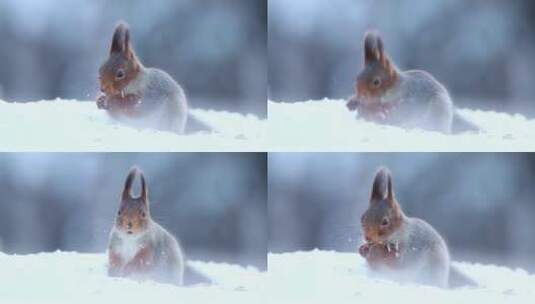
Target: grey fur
column 420, row 102
column 423, row 256
column 163, row 101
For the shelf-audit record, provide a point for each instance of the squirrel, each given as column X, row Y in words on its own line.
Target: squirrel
column 402, row 247
column 411, row 99
column 139, row 247
column 141, row 96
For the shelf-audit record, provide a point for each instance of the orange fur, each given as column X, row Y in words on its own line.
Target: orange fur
column 114, row 264
column 378, row 255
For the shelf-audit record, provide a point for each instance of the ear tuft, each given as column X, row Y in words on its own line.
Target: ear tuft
column 373, row 47
column 127, row 190
column 382, row 185
column 144, row 189
column 120, row 42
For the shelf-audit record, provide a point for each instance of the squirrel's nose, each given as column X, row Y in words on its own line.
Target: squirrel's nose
column 129, row 225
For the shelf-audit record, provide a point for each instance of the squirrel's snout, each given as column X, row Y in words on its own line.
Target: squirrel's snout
column 104, row 88
column 129, row 225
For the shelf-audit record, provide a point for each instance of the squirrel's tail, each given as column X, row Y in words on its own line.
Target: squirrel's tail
column 195, row 125
column 461, row 124
column 458, row 279
column 194, row 277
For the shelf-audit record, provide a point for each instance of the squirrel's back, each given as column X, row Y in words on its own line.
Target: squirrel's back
column 161, row 84
column 423, row 236
column 166, row 245
column 162, row 99
column 425, row 104
column 426, row 253
column 168, row 255
column 422, row 84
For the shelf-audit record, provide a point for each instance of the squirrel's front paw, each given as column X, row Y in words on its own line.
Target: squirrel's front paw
column 364, row 250
column 102, row 102
column 353, row 104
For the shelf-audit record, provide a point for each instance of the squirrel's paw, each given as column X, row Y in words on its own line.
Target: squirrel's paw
column 352, row 104
column 364, row 250
column 102, row 102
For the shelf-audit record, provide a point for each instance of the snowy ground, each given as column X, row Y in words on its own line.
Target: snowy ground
column 326, row 125
column 62, row 277
column 296, row 278
column 67, row 125
column 333, row 277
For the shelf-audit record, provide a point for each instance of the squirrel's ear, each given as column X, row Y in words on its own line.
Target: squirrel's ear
column 382, row 185
column 128, row 47
column 144, row 189
column 121, row 39
column 390, row 188
column 373, row 48
column 127, row 190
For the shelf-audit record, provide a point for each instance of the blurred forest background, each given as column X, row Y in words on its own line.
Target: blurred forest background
column 216, row 49
column 482, row 204
column 215, row 203
column 483, row 51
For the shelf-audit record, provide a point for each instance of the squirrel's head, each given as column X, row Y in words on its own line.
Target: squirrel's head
column 122, row 65
column 134, row 215
column 378, row 74
column 384, row 215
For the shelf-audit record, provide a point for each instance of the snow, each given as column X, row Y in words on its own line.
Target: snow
column 322, row 125
column 297, row 277
column 327, row 125
column 68, row 277
column 334, row 277
column 68, row 125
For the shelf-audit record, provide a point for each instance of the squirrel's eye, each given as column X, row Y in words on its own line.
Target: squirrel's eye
column 384, row 222
column 119, row 213
column 376, row 82
column 142, row 214
column 119, row 74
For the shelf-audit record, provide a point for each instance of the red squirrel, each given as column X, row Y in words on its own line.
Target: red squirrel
column 138, row 247
column 137, row 95
column 411, row 99
column 402, row 247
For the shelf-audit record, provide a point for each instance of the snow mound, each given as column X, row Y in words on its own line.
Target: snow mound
column 327, row 125
column 67, row 277
column 299, row 277
column 68, row 125
column 334, row 277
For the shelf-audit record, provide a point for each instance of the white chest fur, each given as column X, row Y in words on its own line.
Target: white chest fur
column 129, row 247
